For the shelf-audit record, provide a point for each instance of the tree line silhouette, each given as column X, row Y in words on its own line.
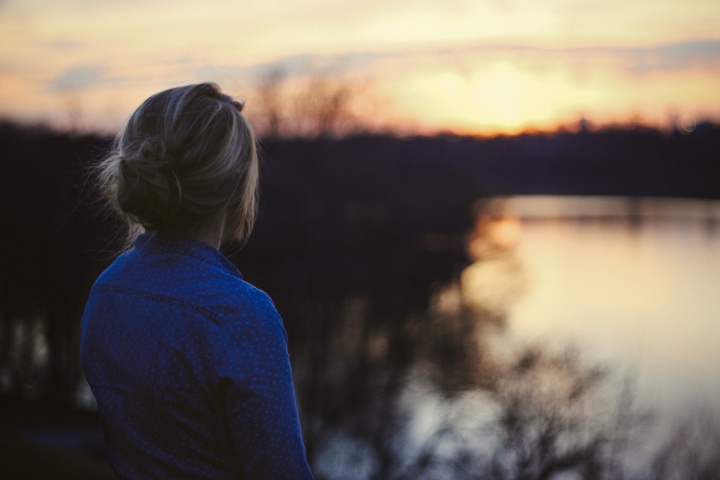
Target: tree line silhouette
column 356, row 236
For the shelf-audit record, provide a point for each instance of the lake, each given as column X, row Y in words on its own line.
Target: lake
column 633, row 283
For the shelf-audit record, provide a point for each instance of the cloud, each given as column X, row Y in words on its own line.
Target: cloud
column 675, row 57
column 680, row 56
column 296, row 64
column 77, row 78
column 62, row 44
column 290, row 66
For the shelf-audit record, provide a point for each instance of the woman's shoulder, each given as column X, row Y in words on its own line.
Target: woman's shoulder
column 232, row 297
column 246, row 299
column 207, row 283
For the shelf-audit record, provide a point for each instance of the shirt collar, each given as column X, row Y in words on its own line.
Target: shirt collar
column 185, row 245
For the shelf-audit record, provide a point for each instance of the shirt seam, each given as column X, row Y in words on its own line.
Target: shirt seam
column 156, row 297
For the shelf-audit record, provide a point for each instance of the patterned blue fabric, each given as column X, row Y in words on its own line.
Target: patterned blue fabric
column 190, row 369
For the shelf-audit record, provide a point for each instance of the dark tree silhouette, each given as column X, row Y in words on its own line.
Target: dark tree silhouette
column 46, row 269
column 692, row 450
column 356, row 238
column 313, row 105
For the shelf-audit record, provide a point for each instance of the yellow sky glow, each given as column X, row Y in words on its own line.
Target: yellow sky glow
column 496, row 66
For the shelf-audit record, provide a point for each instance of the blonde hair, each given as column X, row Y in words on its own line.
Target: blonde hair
column 184, row 156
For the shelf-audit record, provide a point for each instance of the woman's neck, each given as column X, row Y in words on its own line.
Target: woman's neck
column 213, row 233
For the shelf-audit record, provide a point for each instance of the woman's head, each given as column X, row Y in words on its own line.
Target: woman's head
column 185, row 157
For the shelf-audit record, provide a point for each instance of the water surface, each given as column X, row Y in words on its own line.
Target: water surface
column 633, row 283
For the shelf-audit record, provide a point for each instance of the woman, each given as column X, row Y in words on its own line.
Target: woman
column 188, row 362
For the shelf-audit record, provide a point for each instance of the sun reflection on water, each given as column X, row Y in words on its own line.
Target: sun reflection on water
column 632, row 282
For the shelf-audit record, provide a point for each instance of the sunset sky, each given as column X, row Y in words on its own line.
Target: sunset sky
column 468, row 66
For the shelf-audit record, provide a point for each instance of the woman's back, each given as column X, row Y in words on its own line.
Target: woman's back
column 190, row 368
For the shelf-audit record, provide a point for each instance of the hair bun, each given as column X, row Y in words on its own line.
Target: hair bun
column 185, row 155
column 148, row 187
column 153, row 149
column 238, row 105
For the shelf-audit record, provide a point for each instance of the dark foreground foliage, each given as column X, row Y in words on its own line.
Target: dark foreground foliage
column 355, row 242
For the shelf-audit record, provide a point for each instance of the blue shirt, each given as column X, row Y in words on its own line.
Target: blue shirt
column 190, row 368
